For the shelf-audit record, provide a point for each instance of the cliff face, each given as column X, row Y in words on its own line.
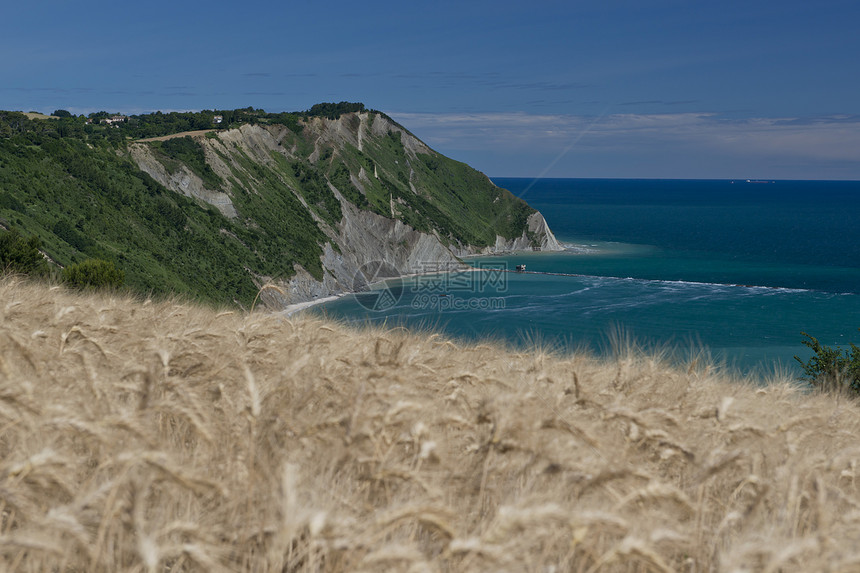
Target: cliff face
column 374, row 190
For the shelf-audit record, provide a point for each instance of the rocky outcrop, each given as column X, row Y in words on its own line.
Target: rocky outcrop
column 539, row 229
column 363, row 238
column 366, row 237
column 183, row 180
column 537, row 237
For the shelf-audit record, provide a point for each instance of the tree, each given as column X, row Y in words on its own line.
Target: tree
column 98, row 116
column 334, row 110
column 93, row 273
column 832, row 368
column 69, row 234
column 61, row 113
column 21, row 255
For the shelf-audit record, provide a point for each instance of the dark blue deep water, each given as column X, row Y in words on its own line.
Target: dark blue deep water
column 738, row 268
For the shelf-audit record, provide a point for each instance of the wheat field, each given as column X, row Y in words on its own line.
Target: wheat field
column 140, row 435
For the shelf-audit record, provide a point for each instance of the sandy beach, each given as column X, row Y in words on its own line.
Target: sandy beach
column 296, row 307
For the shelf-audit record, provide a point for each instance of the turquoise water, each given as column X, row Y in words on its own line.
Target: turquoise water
column 739, row 269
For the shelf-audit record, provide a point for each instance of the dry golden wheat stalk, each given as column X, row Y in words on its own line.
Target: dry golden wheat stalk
column 163, row 436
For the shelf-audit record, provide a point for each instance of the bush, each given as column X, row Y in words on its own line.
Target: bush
column 832, row 368
column 93, row 273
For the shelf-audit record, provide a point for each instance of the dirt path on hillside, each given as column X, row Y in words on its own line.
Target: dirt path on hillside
column 171, row 136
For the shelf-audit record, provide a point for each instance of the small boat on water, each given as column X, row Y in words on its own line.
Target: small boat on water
column 520, row 268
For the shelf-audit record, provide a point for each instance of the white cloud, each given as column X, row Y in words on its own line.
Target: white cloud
column 827, row 139
column 821, row 141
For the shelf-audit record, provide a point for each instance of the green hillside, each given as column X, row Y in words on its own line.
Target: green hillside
column 74, row 185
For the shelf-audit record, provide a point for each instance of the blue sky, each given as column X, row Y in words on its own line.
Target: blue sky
column 615, row 88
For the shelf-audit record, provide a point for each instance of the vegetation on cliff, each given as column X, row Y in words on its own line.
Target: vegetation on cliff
column 87, row 201
column 75, row 186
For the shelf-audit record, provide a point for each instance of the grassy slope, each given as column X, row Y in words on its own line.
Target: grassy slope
column 90, row 202
column 157, row 435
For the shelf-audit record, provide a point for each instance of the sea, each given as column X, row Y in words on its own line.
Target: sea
column 733, row 271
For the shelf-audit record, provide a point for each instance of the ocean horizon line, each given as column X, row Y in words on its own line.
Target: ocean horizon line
column 744, row 180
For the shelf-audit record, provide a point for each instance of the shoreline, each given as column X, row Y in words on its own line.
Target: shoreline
column 291, row 309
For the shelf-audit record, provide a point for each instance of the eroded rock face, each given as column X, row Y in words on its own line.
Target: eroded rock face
column 182, row 181
column 364, row 237
column 361, row 236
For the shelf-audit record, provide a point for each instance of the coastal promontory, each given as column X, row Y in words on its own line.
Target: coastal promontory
column 218, row 204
